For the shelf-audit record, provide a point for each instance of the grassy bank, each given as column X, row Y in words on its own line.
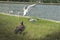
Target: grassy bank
column 40, row 30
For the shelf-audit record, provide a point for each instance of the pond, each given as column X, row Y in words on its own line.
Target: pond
column 51, row 12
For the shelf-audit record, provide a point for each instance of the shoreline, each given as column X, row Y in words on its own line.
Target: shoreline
column 30, row 17
column 15, row 15
column 13, row 2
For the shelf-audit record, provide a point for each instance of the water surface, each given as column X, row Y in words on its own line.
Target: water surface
column 51, row 12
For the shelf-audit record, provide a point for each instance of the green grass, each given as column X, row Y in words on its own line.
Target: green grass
column 40, row 30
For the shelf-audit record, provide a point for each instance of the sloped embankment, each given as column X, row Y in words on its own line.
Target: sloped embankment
column 40, row 30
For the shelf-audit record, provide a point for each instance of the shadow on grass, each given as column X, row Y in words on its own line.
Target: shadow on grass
column 53, row 36
column 24, row 36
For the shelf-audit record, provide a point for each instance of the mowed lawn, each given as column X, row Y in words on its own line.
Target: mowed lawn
column 40, row 30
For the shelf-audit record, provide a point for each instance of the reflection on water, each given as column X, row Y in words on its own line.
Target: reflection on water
column 41, row 11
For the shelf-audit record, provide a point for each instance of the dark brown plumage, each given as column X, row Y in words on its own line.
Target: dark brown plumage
column 20, row 28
